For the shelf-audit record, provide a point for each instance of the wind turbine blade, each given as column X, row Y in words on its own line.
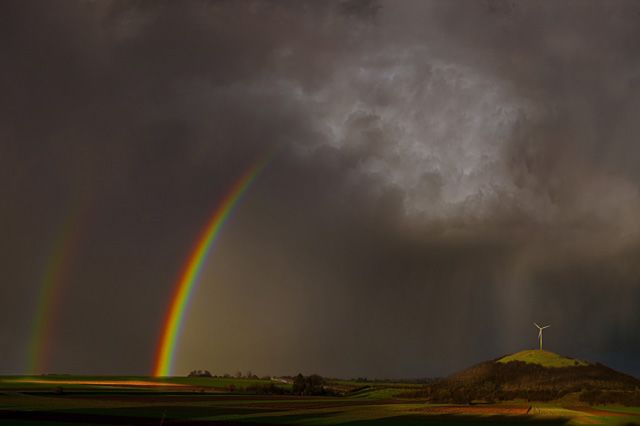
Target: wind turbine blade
column 546, row 326
column 536, row 324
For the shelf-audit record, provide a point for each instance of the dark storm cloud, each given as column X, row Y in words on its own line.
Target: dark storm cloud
column 446, row 173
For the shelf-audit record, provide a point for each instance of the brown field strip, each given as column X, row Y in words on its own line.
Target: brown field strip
column 518, row 410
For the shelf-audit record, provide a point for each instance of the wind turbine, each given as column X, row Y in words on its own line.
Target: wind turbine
column 540, row 332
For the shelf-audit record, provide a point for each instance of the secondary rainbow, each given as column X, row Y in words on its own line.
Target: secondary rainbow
column 189, row 277
column 55, row 276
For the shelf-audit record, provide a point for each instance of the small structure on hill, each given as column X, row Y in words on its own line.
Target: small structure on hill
column 540, row 332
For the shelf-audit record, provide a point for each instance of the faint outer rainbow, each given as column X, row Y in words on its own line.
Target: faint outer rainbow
column 54, row 277
column 191, row 272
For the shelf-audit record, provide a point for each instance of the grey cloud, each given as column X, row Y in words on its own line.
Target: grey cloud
column 444, row 171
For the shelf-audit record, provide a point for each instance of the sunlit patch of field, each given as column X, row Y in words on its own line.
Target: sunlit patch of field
column 135, row 383
column 574, row 416
column 586, row 414
column 210, row 384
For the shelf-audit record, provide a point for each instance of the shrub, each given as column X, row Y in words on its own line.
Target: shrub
column 310, row 385
column 200, row 373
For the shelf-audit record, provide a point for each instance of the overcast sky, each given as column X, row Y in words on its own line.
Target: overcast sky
column 445, row 174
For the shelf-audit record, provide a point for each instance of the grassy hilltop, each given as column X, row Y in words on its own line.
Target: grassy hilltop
column 543, row 358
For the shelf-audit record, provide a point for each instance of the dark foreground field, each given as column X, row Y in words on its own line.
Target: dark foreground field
column 65, row 400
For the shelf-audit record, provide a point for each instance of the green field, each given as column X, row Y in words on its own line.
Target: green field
column 543, row 358
column 82, row 400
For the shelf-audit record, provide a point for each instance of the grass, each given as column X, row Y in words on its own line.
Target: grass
column 543, row 358
column 620, row 409
column 373, row 389
column 202, row 402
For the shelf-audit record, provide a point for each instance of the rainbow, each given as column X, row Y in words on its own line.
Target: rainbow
column 189, row 277
column 56, row 273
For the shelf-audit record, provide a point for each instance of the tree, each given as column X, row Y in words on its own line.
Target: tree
column 200, row 373
column 310, row 385
column 298, row 384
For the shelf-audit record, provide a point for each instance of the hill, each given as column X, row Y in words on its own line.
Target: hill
column 536, row 376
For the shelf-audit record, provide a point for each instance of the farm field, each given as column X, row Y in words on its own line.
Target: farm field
column 79, row 400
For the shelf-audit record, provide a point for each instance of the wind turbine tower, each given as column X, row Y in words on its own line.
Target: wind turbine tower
column 540, row 332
